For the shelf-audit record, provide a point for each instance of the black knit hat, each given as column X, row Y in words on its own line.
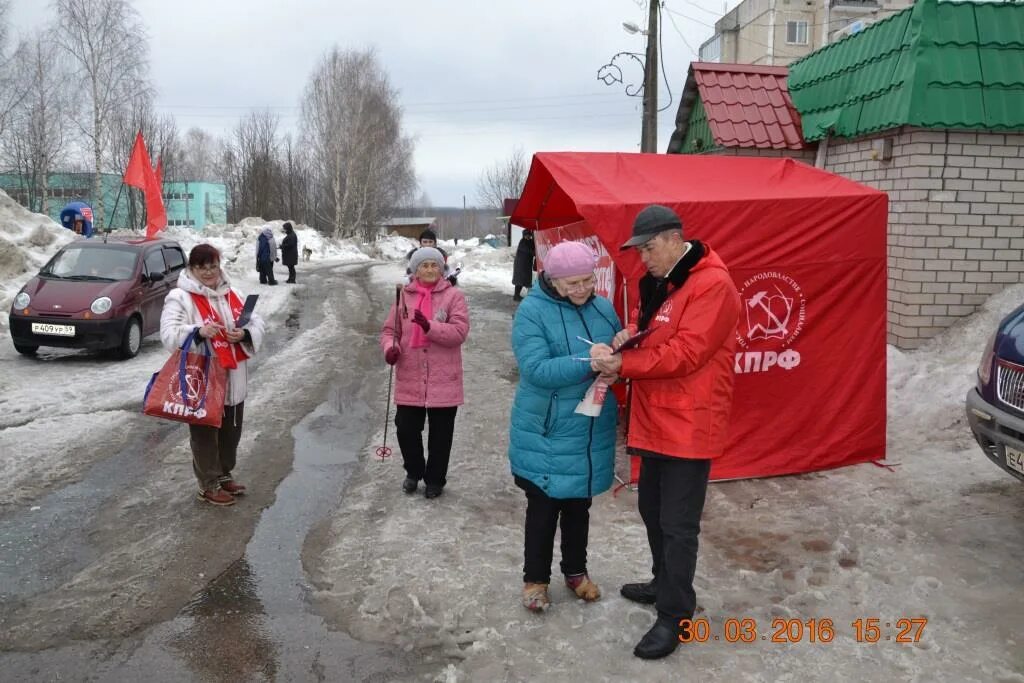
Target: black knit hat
column 428, row 234
column 650, row 221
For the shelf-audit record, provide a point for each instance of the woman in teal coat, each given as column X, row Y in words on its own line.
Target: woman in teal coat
column 561, row 458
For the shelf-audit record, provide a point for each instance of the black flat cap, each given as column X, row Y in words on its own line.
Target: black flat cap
column 650, row 221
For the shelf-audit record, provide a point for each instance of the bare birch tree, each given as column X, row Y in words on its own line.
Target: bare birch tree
column 10, row 93
column 251, row 166
column 108, row 45
column 36, row 140
column 504, row 180
column 351, row 127
column 198, row 156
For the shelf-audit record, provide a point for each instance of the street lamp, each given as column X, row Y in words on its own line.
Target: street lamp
column 611, row 73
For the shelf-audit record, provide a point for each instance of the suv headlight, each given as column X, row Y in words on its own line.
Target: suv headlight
column 101, row 305
column 22, row 300
column 985, row 367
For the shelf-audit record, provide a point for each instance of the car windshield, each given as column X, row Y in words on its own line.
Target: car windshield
column 92, row 264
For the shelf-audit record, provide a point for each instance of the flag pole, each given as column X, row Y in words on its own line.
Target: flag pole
column 113, row 214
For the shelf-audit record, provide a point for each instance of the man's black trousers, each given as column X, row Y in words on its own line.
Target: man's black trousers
column 671, row 500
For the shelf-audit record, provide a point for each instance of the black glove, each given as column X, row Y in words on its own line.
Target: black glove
column 421, row 320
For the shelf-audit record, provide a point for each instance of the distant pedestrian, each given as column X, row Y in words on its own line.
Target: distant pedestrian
column 523, row 267
column 423, row 339
column 560, row 457
column 428, row 238
column 266, row 255
column 290, row 251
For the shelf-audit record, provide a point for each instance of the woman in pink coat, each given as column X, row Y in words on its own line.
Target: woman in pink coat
column 423, row 339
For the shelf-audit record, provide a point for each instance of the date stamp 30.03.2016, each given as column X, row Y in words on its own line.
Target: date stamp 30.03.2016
column 748, row 630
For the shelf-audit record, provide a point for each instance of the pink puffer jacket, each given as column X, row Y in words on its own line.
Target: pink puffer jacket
column 432, row 376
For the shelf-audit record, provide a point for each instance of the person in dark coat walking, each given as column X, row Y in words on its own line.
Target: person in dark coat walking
column 290, row 251
column 522, row 269
column 266, row 255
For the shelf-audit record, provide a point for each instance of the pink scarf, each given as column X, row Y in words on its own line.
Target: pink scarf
column 424, row 304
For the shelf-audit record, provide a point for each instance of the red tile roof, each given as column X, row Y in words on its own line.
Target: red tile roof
column 748, row 105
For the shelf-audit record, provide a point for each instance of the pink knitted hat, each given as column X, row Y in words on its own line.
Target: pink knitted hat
column 568, row 259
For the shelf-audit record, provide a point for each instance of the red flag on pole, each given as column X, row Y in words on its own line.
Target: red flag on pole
column 156, row 213
column 138, row 164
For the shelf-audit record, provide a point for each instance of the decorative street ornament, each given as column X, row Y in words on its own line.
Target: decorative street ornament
column 611, row 73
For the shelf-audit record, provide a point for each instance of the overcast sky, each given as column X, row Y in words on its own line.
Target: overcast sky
column 475, row 79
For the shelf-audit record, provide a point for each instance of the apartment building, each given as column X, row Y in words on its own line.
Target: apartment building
column 777, row 32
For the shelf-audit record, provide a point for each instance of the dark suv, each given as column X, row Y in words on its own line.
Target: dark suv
column 995, row 408
column 97, row 295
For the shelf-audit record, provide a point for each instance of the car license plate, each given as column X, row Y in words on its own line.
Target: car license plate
column 49, row 328
column 1015, row 459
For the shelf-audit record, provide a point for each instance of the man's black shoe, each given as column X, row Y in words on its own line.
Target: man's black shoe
column 644, row 593
column 661, row 641
column 432, row 491
column 410, row 485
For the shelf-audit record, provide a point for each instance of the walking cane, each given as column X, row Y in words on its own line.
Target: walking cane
column 383, row 451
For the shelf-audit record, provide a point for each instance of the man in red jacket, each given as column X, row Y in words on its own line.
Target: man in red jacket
column 682, row 376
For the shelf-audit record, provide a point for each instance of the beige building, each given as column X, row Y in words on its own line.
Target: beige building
column 777, row 32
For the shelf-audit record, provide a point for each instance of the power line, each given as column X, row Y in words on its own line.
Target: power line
column 695, row 53
column 413, row 104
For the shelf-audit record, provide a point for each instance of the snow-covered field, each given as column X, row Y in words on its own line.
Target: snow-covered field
column 937, row 535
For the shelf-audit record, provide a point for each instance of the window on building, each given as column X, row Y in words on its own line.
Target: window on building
column 711, row 51
column 796, row 32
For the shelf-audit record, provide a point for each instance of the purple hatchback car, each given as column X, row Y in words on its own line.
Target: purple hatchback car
column 97, row 295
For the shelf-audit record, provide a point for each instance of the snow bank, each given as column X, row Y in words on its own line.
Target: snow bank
column 926, row 387
column 27, row 241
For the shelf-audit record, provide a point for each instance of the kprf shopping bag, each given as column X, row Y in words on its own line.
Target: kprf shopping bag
column 189, row 387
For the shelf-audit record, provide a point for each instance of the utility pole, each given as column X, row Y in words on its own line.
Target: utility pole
column 649, row 130
column 828, row 23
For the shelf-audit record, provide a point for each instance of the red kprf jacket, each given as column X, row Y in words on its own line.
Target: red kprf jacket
column 682, row 371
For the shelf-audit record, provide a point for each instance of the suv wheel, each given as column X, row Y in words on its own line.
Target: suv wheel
column 25, row 350
column 131, row 340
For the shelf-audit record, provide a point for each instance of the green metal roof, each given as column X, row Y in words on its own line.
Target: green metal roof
column 936, row 64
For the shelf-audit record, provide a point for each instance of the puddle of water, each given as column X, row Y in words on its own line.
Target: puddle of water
column 266, row 592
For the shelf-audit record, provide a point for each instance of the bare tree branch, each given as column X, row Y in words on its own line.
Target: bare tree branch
column 361, row 163
column 107, row 43
column 504, row 180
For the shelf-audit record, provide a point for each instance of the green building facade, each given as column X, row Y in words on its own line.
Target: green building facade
column 190, row 203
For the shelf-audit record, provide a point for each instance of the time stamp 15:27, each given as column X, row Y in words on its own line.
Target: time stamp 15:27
column 747, row 630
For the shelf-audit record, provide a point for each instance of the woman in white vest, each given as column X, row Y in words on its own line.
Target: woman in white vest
column 204, row 301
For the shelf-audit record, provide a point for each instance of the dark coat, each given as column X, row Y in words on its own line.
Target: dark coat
column 290, row 249
column 522, row 269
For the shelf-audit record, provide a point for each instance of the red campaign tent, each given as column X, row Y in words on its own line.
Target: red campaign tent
column 807, row 251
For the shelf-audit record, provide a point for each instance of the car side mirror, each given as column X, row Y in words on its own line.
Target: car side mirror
column 156, row 277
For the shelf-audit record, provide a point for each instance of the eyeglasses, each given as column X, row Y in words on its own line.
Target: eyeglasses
column 208, row 268
column 581, row 286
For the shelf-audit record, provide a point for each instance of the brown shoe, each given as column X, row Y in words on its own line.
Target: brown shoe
column 233, row 487
column 583, row 587
column 216, row 497
column 535, row 597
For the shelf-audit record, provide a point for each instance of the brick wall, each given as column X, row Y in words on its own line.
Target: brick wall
column 956, row 221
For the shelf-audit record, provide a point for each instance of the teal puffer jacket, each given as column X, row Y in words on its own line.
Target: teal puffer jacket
column 565, row 454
